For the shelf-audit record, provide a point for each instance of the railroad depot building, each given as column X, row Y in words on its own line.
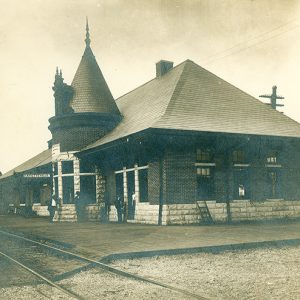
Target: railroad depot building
column 183, row 141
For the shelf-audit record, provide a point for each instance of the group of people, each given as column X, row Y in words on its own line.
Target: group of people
column 125, row 212
column 54, row 204
column 121, row 209
column 80, row 205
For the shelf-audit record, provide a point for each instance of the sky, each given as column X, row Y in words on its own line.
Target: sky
column 253, row 44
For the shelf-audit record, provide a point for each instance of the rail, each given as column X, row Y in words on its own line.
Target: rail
column 108, row 268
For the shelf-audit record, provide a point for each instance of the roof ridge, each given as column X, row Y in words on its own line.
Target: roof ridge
column 119, row 98
column 178, row 87
column 245, row 93
column 211, row 89
column 252, row 98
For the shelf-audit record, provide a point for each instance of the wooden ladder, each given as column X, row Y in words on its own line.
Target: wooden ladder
column 204, row 212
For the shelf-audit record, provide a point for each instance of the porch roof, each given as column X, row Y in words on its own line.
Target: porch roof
column 39, row 160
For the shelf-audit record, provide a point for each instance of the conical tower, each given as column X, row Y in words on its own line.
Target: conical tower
column 84, row 110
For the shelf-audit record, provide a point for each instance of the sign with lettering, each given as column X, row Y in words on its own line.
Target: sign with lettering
column 42, row 175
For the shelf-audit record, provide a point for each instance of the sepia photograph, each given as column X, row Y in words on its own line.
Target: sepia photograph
column 150, row 149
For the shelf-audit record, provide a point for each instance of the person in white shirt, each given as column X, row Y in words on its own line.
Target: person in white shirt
column 52, row 208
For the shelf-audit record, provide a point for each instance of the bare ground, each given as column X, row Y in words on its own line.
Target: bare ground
column 246, row 274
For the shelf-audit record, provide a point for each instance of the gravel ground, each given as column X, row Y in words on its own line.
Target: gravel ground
column 246, row 274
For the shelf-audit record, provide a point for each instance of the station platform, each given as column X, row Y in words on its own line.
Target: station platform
column 102, row 241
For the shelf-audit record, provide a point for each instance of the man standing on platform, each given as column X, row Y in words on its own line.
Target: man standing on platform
column 52, row 208
column 80, row 207
column 119, row 206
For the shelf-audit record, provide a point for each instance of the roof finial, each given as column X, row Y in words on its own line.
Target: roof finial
column 87, row 36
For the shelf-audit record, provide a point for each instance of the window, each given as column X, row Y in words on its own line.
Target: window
column 67, row 167
column 205, row 183
column 238, row 156
column 273, row 182
column 204, row 155
column 68, row 189
column 56, row 187
column 241, row 184
column 88, row 189
column 119, row 186
column 143, row 185
column 272, row 157
column 87, row 167
column 204, row 172
column 36, row 195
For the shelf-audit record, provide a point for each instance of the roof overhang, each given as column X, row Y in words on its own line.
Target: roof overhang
column 154, row 132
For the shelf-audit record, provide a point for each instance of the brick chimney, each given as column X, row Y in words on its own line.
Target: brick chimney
column 162, row 67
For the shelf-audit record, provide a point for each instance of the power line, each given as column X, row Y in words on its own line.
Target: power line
column 211, row 59
column 258, row 36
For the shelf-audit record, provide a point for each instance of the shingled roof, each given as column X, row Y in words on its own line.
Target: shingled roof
column 191, row 98
column 91, row 92
column 39, row 160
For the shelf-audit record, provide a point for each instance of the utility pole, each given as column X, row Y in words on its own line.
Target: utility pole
column 273, row 97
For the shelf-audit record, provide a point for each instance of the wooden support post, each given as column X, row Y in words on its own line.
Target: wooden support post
column 76, row 167
column 136, row 184
column 59, row 180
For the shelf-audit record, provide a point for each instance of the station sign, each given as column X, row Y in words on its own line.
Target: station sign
column 41, row 175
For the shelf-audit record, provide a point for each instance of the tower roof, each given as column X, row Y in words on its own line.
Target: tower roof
column 91, row 92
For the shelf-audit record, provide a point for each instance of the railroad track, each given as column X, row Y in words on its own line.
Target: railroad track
column 35, row 248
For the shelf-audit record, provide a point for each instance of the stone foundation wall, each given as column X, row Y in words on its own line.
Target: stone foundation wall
column 181, row 214
column 241, row 210
column 92, row 212
column 218, row 211
column 67, row 213
column 175, row 213
column 245, row 210
column 146, row 214
column 41, row 210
